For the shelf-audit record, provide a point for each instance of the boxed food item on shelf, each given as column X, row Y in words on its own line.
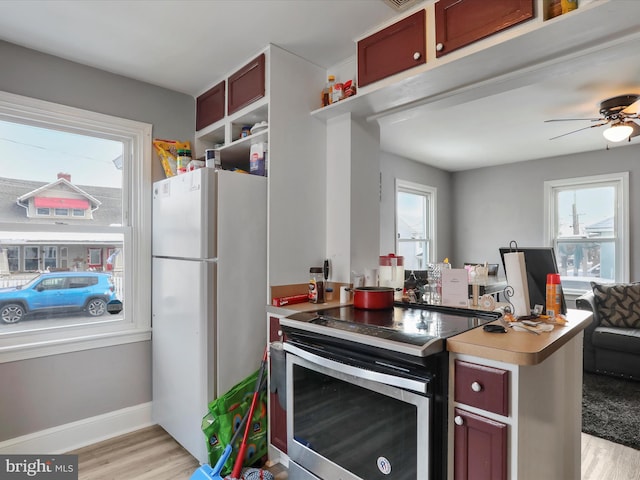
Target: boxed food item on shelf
column 258, row 159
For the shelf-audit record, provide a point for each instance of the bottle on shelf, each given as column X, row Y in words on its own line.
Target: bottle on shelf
column 337, row 93
column 327, row 92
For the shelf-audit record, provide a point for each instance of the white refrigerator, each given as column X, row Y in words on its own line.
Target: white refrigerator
column 208, row 294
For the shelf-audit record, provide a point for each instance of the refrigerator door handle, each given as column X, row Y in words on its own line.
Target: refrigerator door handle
column 189, row 259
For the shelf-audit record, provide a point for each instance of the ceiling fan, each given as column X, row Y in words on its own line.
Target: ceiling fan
column 612, row 111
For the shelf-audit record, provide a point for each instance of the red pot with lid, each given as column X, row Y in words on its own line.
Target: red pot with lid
column 373, row 298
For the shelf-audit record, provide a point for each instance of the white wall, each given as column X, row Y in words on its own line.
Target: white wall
column 498, row 204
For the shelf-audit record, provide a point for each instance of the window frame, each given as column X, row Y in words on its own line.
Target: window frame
column 136, row 230
column 432, row 194
column 620, row 181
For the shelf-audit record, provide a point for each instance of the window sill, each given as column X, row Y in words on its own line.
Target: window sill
column 68, row 345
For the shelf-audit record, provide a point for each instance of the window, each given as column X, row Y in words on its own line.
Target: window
column 13, row 258
column 63, row 257
column 95, row 257
column 587, row 222
column 71, row 204
column 31, row 259
column 50, row 255
column 415, row 224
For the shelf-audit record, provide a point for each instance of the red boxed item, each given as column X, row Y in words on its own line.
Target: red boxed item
column 281, row 301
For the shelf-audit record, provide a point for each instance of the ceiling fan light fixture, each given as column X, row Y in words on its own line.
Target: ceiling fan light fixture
column 618, row 132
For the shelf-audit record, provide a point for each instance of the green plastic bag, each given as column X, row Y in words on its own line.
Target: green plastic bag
column 224, row 418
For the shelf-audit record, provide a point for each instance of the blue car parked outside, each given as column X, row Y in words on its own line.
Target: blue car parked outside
column 58, row 292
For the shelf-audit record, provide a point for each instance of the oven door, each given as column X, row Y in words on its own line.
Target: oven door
column 352, row 423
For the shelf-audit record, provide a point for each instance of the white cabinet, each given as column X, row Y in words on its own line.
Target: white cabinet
column 297, row 161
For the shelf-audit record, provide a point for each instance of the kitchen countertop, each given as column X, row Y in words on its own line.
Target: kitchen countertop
column 303, row 288
column 303, row 307
column 515, row 347
column 519, row 348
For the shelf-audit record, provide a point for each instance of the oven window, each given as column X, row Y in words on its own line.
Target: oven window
column 370, row 434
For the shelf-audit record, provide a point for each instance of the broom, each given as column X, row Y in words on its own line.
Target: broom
column 205, row 472
column 237, row 468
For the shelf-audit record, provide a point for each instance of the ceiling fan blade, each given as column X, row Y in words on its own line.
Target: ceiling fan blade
column 636, row 129
column 574, row 119
column 574, row 131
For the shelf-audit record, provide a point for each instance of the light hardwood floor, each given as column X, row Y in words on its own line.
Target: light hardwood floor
column 151, row 454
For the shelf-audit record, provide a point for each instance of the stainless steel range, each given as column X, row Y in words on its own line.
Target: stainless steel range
column 367, row 391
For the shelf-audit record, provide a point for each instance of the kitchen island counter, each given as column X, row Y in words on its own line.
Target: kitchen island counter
column 523, row 391
column 516, row 347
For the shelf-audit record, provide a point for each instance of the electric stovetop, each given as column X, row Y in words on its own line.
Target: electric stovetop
column 409, row 329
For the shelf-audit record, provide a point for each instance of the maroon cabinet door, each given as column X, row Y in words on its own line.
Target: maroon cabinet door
column 278, row 433
column 479, row 448
column 396, row 48
column 210, row 106
column 461, row 22
column 246, row 85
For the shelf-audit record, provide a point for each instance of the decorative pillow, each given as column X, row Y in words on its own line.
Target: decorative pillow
column 618, row 304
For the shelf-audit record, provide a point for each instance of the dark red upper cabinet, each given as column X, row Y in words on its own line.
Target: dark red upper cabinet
column 210, row 106
column 396, row 48
column 246, row 85
column 461, row 22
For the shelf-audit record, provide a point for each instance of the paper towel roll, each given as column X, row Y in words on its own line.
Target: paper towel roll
column 516, row 271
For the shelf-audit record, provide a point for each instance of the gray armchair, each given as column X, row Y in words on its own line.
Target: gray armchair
column 612, row 341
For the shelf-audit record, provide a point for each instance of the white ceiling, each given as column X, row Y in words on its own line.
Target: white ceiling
column 187, row 45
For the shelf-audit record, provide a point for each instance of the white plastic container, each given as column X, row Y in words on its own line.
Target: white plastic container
column 391, row 273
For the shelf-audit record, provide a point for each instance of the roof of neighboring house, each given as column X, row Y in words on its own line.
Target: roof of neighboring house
column 60, row 182
column 109, row 200
column 605, row 225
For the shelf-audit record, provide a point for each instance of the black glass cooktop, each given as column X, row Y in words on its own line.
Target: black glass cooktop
column 415, row 330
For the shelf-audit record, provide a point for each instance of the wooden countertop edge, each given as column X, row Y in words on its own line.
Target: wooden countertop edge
column 519, row 348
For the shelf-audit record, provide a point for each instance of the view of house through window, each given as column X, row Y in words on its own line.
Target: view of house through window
column 61, row 235
column 415, row 212
column 587, row 230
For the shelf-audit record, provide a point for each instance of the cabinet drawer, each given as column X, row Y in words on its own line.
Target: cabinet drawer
column 461, row 22
column 247, row 85
column 396, row 48
column 482, row 387
column 210, row 106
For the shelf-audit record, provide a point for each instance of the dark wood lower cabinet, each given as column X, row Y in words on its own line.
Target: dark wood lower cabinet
column 480, row 447
column 278, row 416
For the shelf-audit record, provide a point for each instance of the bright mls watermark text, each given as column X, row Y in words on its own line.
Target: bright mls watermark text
column 38, row 467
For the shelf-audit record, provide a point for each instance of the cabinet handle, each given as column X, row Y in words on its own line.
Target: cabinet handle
column 476, row 387
column 416, row 56
column 439, row 47
column 459, row 420
column 280, row 333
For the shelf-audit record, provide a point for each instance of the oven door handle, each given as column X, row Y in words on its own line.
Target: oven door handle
column 365, row 374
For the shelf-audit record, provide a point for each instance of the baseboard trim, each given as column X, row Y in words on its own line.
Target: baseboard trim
column 74, row 435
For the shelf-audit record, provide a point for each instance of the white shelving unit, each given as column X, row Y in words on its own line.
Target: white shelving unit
column 297, row 161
